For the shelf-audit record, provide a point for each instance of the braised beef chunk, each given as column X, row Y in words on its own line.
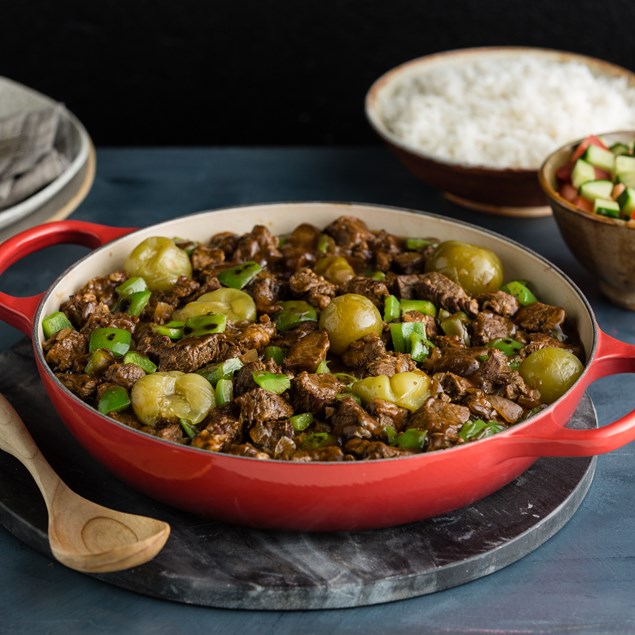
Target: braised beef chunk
column 487, row 327
column 188, row 355
column 363, row 351
column 282, row 392
column 540, row 317
column 63, row 349
column 353, row 236
column 442, row 420
column 445, row 293
column 125, row 375
column 222, row 429
column 388, row 414
column 312, row 287
column 311, row 392
column 499, row 302
column 259, row 405
column 372, row 450
column 375, row 290
column 351, row 420
column 259, row 245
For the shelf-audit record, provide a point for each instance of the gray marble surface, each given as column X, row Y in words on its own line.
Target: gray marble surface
column 581, row 580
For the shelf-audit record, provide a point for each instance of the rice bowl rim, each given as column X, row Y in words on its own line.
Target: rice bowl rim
column 412, row 68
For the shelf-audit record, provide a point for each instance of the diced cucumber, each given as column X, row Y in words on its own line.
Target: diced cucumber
column 624, row 165
column 600, row 158
column 606, row 207
column 620, row 148
column 628, row 178
column 626, row 201
column 582, row 172
column 596, row 189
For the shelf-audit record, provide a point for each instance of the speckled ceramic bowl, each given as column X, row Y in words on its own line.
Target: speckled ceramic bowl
column 505, row 191
column 604, row 246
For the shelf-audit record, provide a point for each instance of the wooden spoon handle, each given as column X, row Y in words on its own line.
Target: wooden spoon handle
column 17, row 441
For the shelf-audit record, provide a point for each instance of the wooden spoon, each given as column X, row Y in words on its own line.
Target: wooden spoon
column 83, row 535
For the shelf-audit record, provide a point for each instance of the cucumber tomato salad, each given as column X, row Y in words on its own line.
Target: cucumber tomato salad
column 599, row 178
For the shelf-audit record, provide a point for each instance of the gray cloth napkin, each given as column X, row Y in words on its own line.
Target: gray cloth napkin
column 31, row 152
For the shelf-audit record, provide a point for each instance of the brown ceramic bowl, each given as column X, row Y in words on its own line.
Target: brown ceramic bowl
column 506, row 191
column 604, row 246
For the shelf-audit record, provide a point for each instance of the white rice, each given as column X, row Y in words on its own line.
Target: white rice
column 505, row 112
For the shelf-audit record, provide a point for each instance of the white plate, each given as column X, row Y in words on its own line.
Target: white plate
column 15, row 97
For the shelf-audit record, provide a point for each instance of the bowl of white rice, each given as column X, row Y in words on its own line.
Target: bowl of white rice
column 478, row 123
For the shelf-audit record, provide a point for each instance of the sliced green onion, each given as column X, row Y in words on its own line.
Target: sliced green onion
column 301, row 421
column 55, row 322
column 239, row 276
column 133, row 357
column 273, row 382
column 188, row 428
column 117, row 341
column 415, row 244
column 114, row 399
column 224, row 391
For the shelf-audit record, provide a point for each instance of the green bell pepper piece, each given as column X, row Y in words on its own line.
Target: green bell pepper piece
column 508, row 345
column 392, row 308
column 114, row 399
column 239, row 276
column 416, row 244
column 115, row 340
column 317, row 440
column 199, row 325
column 132, row 285
column 293, row 313
column 274, row 352
column 273, row 382
column 224, row 391
column 423, row 306
column 188, row 428
column 220, row 370
column 520, row 290
column 301, row 421
column 411, row 439
column 55, row 322
column 133, row 357
column 98, row 361
column 173, row 329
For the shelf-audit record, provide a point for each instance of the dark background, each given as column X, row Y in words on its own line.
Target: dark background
column 256, row 72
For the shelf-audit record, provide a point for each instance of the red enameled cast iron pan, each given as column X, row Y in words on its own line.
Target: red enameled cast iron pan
column 317, row 496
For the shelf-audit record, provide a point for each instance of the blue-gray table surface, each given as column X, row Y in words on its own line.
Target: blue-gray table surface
column 581, row 581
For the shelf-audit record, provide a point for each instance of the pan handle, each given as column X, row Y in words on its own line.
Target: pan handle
column 613, row 357
column 19, row 312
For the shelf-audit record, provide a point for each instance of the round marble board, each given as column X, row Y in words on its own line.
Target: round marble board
column 211, row 563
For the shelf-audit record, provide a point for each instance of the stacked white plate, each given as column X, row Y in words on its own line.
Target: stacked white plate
column 60, row 197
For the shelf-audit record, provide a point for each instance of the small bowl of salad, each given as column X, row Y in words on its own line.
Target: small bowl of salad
column 590, row 185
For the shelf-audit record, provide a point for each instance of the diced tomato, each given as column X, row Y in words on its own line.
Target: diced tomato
column 584, row 203
column 603, row 175
column 563, row 173
column 568, row 192
column 584, row 144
